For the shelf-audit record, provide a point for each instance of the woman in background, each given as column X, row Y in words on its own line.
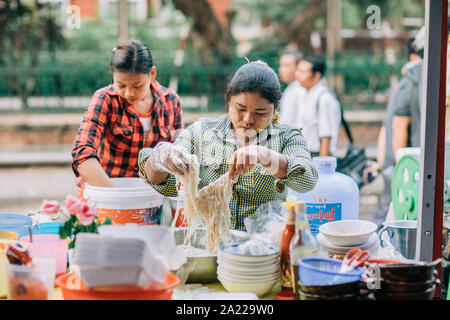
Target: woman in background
column 132, row 113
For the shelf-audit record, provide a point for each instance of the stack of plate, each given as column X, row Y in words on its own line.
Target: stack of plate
column 254, row 271
column 372, row 245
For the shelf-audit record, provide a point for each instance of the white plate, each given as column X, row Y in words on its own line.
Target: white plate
column 372, row 250
column 328, row 245
column 348, row 232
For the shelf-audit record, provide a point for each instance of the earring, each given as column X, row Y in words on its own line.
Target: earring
column 276, row 117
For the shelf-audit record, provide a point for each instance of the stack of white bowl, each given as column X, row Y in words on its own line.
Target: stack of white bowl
column 338, row 237
column 242, row 268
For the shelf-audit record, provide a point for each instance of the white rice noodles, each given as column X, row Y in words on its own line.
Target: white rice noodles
column 209, row 205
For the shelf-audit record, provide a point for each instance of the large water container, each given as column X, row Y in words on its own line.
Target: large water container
column 335, row 197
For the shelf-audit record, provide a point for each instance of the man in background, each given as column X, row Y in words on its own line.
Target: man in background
column 319, row 112
column 401, row 127
column 293, row 92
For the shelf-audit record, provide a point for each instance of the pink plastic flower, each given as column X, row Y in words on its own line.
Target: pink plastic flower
column 73, row 205
column 49, row 206
column 87, row 213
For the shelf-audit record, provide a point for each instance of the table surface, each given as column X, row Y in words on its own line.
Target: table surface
column 217, row 286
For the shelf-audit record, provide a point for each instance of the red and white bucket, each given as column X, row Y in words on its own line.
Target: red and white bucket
column 132, row 201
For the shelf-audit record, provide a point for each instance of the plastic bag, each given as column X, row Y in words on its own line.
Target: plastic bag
column 267, row 223
column 387, row 252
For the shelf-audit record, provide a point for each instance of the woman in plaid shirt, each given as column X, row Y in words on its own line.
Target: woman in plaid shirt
column 134, row 112
column 245, row 142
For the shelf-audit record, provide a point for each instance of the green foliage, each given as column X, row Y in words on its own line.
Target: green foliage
column 72, row 227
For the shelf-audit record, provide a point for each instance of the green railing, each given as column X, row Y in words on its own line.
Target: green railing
column 81, row 73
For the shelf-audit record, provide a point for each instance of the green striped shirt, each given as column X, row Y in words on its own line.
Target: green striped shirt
column 214, row 142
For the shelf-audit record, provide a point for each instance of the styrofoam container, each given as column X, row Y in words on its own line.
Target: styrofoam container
column 348, row 232
column 115, row 256
column 115, row 276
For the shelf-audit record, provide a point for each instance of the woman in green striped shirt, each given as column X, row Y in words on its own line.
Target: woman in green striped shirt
column 246, row 142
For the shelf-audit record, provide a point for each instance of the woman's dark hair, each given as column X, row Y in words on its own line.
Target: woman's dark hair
column 412, row 49
column 131, row 56
column 318, row 63
column 255, row 77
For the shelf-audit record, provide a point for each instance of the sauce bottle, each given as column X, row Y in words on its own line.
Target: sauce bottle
column 288, row 233
column 303, row 244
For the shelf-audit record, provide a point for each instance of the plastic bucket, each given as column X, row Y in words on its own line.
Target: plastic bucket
column 132, row 201
column 17, row 223
column 3, row 246
column 8, row 235
column 47, row 228
column 49, row 246
column 73, row 288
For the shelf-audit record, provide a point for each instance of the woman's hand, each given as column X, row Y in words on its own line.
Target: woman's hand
column 246, row 158
column 166, row 157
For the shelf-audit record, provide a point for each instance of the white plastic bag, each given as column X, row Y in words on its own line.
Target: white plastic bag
column 267, row 223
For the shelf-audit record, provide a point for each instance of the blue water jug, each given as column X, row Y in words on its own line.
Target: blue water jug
column 17, row 223
column 335, row 197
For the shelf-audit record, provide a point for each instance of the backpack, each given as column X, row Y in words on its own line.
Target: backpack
column 355, row 161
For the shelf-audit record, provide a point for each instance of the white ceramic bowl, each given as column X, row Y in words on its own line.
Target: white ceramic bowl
column 236, row 261
column 245, row 279
column 260, row 288
column 228, row 251
column 348, row 232
column 241, row 268
column 247, row 274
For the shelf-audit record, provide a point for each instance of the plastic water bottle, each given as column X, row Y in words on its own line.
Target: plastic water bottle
column 335, row 197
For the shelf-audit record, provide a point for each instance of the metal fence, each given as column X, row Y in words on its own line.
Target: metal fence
column 69, row 75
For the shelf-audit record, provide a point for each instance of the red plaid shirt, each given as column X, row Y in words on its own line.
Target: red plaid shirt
column 112, row 132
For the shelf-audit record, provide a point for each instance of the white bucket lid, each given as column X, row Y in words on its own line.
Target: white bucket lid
column 131, row 193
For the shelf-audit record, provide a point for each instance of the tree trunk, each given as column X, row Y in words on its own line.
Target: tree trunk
column 300, row 28
column 207, row 28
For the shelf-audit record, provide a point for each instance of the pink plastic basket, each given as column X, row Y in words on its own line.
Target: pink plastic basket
column 49, row 246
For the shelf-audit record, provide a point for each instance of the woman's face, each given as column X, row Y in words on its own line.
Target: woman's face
column 250, row 113
column 133, row 87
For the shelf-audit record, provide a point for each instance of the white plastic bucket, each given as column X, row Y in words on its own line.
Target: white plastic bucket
column 132, row 201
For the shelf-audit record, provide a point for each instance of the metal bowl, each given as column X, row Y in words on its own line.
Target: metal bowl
column 201, row 268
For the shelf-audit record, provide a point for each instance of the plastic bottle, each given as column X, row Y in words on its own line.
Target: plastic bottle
column 303, row 244
column 335, row 197
column 288, row 233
